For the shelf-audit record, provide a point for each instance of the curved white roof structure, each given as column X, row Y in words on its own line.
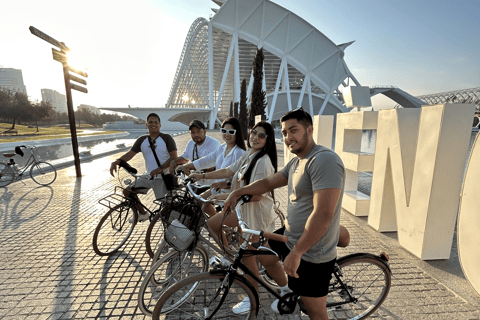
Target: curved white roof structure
column 302, row 67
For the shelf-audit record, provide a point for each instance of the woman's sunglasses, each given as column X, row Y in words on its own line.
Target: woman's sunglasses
column 228, row 131
column 260, row 135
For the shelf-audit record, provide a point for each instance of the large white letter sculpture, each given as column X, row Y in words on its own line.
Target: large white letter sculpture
column 322, row 134
column 348, row 143
column 468, row 226
column 419, row 164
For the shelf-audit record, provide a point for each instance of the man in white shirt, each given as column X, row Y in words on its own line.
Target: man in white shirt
column 165, row 149
column 200, row 145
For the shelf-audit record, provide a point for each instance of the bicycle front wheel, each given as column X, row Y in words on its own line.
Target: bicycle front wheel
column 114, row 229
column 7, row 175
column 368, row 281
column 171, row 268
column 154, row 235
column 43, row 173
column 198, row 296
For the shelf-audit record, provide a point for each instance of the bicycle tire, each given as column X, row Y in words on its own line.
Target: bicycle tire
column 45, row 173
column 7, row 175
column 368, row 280
column 114, row 229
column 154, row 235
column 194, row 298
column 169, row 269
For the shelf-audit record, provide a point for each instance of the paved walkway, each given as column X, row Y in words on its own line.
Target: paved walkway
column 48, row 269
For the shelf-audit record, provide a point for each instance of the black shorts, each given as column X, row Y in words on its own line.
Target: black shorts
column 313, row 278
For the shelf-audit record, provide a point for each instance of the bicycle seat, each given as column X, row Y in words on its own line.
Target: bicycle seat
column 8, row 155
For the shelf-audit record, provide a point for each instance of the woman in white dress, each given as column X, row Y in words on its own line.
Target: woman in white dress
column 224, row 156
column 257, row 163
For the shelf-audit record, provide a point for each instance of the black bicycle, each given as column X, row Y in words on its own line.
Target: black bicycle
column 170, row 264
column 359, row 285
column 116, row 226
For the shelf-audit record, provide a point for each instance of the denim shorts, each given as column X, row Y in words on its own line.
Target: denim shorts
column 313, row 278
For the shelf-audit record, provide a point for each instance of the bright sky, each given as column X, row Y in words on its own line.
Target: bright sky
column 132, row 48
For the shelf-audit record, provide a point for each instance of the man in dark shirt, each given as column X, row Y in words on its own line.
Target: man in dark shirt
column 166, row 151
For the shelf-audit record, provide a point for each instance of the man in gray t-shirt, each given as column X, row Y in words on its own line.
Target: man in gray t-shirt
column 315, row 179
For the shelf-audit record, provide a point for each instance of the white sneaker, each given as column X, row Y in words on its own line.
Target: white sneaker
column 141, row 218
column 242, row 307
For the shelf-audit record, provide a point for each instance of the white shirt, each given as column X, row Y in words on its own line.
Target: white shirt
column 218, row 159
column 208, row 146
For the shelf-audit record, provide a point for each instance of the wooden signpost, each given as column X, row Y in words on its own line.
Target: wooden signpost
column 61, row 56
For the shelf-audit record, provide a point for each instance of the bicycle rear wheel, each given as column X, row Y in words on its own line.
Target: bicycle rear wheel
column 367, row 279
column 168, row 270
column 196, row 297
column 7, row 175
column 43, row 173
column 114, row 229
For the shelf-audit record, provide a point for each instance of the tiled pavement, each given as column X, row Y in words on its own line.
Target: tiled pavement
column 48, row 269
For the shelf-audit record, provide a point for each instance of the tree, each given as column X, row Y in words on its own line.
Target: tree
column 42, row 110
column 231, row 109
column 235, row 110
column 242, row 116
column 259, row 101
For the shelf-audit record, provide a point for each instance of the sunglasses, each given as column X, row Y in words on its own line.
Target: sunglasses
column 260, row 135
column 228, row 131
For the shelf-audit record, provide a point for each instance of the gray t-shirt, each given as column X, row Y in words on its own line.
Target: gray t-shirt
column 320, row 169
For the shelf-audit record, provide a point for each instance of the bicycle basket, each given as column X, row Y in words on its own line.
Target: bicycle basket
column 182, row 219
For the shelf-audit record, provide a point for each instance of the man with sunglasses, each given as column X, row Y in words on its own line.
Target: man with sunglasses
column 165, row 150
column 198, row 147
column 315, row 179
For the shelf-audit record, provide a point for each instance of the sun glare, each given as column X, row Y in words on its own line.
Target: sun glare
column 75, row 60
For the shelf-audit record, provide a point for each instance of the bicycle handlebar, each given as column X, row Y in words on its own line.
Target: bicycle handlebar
column 188, row 182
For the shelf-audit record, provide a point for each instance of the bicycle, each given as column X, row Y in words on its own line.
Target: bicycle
column 116, row 226
column 359, row 285
column 41, row 172
column 170, row 266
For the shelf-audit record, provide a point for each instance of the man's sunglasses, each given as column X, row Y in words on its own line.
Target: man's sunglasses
column 260, row 135
column 228, row 131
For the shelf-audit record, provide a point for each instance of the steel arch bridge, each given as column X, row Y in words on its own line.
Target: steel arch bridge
column 460, row 96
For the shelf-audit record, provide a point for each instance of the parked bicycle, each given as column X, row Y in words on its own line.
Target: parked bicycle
column 359, row 285
column 41, row 172
column 170, row 263
column 116, row 226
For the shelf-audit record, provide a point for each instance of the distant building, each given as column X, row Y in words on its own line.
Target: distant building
column 92, row 109
column 12, row 79
column 58, row 100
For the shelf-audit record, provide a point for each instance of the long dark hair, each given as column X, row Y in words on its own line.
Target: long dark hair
column 270, row 148
column 239, row 141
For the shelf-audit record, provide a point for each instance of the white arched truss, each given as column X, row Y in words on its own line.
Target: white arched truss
column 218, row 54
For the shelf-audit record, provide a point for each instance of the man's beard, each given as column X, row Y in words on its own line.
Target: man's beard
column 301, row 147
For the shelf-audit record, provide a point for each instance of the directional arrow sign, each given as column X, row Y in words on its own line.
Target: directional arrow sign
column 59, row 56
column 82, row 73
column 49, row 39
column 78, row 88
column 77, row 79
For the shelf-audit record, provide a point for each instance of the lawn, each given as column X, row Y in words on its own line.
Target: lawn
column 45, row 133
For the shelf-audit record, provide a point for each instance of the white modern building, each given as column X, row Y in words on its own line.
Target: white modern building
column 92, row 109
column 58, row 100
column 302, row 66
column 12, row 79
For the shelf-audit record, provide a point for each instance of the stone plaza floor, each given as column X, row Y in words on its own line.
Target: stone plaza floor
column 48, row 269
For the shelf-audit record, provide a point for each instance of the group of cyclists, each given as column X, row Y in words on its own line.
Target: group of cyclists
column 315, row 180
